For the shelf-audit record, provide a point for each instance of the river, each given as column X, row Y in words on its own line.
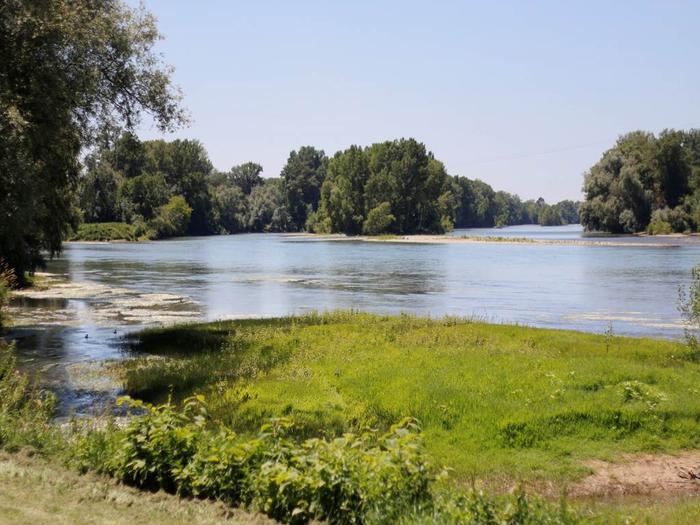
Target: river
column 106, row 290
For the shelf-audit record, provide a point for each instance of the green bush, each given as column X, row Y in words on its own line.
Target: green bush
column 172, row 218
column 379, row 220
column 7, row 282
column 352, row 479
column 105, row 231
column 25, row 412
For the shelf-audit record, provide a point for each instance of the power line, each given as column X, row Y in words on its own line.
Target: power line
column 517, row 156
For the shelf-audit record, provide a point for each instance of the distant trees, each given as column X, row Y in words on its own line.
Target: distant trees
column 645, row 182
column 172, row 218
column 389, row 187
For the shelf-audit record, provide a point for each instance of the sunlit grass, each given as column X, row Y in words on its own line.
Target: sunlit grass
column 494, row 400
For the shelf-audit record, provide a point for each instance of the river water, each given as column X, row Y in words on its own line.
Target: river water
column 107, row 290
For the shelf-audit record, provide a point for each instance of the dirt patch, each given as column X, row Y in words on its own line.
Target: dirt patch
column 643, row 474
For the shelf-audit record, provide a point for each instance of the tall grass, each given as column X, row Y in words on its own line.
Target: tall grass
column 25, row 411
column 7, row 282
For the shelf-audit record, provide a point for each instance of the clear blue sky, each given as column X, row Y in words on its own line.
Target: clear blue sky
column 523, row 95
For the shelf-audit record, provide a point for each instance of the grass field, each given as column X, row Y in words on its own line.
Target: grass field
column 38, row 492
column 497, row 403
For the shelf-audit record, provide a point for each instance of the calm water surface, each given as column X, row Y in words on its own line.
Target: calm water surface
column 559, row 286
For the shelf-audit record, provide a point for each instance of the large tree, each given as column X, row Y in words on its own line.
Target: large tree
column 303, row 176
column 68, row 69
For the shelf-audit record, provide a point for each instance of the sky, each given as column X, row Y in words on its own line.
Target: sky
column 523, row 95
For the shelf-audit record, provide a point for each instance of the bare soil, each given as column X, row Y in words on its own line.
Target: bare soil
column 642, row 474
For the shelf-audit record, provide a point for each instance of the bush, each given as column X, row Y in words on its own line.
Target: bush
column 669, row 220
column 105, row 231
column 379, row 220
column 352, row 479
column 172, row 218
column 344, row 480
column 25, row 413
column 7, row 282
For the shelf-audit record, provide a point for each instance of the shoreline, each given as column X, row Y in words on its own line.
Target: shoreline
column 445, row 239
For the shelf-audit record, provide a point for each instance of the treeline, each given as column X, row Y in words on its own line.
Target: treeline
column 645, row 182
column 171, row 188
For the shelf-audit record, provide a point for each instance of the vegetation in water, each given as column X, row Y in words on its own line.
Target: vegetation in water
column 645, row 182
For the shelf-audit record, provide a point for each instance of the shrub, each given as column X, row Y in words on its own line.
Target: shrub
column 344, row 480
column 7, row 282
column 379, row 220
column 669, row 220
column 172, row 218
column 689, row 308
column 105, row 231
column 25, row 412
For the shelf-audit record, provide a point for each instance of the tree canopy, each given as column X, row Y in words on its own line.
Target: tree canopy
column 645, row 182
column 68, row 70
column 389, row 187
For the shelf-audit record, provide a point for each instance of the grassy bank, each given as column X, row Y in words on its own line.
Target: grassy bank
column 369, row 477
column 40, row 492
column 499, row 403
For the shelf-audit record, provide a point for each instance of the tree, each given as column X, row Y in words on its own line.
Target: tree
column 342, row 193
column 408, row 177
column 303, row 175
column 619, row 188
column 172, row 218
column 68, row 69
column 127, row 155
column 246, row 176
column 142, row 195
column 98, row 194
column 550, row 216
column 267, row 210
column 230, row 208
column 379, row 220
column 187, row 172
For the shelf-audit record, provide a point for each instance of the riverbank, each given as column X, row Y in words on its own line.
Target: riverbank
column 36, row 491
column 501, row 403
column 609, row 421
column 670, row 241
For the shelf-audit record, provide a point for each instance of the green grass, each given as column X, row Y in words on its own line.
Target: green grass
column 40, row 492
column 105, row 231
column 496, row 402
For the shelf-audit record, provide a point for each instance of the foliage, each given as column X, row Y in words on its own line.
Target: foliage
column 302, row 176
column 313, row 194
column 25, row 412
column 354, row 478
column 247, row 176
column 105, row 231
column 379, row 220
column 538, row 403
column 689, row 307
column 645, row 182
column 267, row 211
column 7, row 282
column 172, row 218
column 67, row 70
